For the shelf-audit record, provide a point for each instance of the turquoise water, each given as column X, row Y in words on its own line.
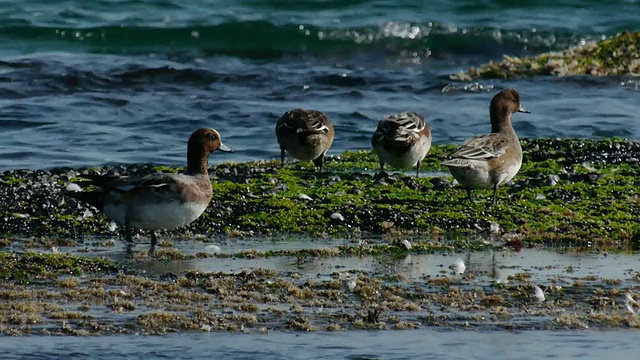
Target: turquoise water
column 94, row 82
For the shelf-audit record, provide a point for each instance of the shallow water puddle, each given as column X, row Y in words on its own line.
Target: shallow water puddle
column 542, row 265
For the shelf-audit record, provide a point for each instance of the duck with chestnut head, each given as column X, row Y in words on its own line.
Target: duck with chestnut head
column 490, row 160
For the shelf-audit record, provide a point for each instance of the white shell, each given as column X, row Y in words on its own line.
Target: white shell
column 539, row 294
column 458, row 267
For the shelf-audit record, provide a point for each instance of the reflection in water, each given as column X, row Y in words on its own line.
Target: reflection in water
column 542, row 265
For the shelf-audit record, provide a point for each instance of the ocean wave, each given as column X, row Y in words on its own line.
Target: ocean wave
column 262, row 39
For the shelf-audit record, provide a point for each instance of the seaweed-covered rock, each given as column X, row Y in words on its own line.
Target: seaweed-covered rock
column 567, row 190
column 619, row 55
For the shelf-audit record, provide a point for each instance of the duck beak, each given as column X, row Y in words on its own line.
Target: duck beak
column 523, row 110
column 224, row 148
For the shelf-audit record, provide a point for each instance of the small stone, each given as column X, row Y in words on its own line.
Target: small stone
column 348, row 284
column 540, row 197
column 337, row 216
column 458, row 267
column 538, row 293
column 112, row 226
column 407, row 244
column 87, row 214
column 553, row 180
column 494, row 227
column 305, row 197
column 281, row 187
column 440, row 183
column 73, row 187
column 212, row 249
column 587, row 165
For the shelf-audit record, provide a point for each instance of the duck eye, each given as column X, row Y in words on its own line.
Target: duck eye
column 213, row 137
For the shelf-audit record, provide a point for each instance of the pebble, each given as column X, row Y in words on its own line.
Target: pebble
column 87, row 214
column 348, row 285
column 337, row 216
column 458, row 267
column 212, row 249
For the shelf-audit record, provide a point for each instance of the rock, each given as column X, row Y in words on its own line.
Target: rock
column 73, row 187
column 337, row 216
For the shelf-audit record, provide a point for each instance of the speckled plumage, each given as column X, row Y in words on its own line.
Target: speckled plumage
column 402, row 140
column 305, row 134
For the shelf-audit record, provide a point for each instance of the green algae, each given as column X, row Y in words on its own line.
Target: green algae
column 29, row 266
column 595, row 202
column 571, row 192
column 619, row 55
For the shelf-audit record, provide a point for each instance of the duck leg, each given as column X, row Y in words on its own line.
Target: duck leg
column 495, row 193
column 127, row 231
column 319, row 162
column 469, row 194
column 418, row 169
column 282, row 156
column 128, row 238
column 154, row 241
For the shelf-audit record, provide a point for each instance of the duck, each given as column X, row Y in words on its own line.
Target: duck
column 489, row 160
column 305, row 134
column 402, row 140
column 158, row 200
